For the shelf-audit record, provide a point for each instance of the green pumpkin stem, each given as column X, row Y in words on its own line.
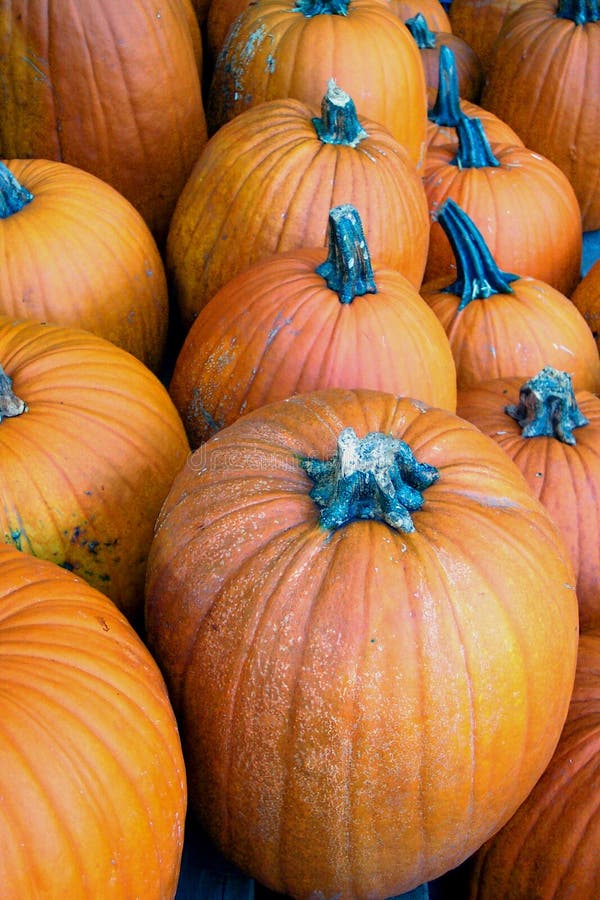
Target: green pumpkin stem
column 474, row 151
column 347, row 269
column 446, row 110
column 478, row 276
column 547, row 407
column 310, row 8
column 425, row 38
column 375, row 477
column 13, row 196
column 10, row 404
column 581, row 12
column 339, row 121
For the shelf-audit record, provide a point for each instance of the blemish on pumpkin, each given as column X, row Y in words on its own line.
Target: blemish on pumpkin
column 15, row 538
column 270, row 66
column 103, row 624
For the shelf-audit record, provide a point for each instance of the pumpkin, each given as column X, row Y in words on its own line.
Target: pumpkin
column 521, row 201
column 468, row 67
column 89, row 445
column 298, row 322
column 368, row 627
column 549, row 848
column 265, row 184
column 435, row 12
column 478, row 22
column 543, row 82
column 74, row 252
column 291, row 48
column 586, row 298
column 500, row 324
column 91, row 770
column 112, row 88
column 447, row 107
column 553, row 436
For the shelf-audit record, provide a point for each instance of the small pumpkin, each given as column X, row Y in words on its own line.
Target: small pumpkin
column 89, row 445
column 553, row 435
column 549, row 847
column 429, row 42
column 265, row 184
column 73, row 251
column 501, row 324
column 291, row 48
column 92, row 775
column 368, row 627
column 305, row 320
column 521, row 201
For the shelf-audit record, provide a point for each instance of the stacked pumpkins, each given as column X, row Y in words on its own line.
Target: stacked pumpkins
column 299, row 446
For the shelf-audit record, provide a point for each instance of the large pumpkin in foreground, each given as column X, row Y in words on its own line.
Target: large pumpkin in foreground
column 368, row 626
column 91, row 771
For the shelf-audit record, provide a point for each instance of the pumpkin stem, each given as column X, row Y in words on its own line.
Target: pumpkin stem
column 10, row 404
column 424, row 37
column 310, row 8
column 347, row 269
column 547, row 406
column 446, row 109
column 478, row 276
column 339, row 121
column 474, row 151
column 375, row 477
column 581, row 12
column 13, row 196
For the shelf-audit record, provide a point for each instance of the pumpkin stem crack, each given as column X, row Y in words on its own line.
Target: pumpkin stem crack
column 547, row 407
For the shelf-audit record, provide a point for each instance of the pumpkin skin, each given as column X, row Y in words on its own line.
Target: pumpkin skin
column 79, row 254
column 91, row 769
column 84, row 470
column 544, row 72
column 276, row 49
column 478, row 22
column 586, row 298
column 549, row 847
column 265, row 183
column 524, row 206
column 430, row 42
column 72, row 93
column 564, row 477
column 279, row 329
column 317, row 742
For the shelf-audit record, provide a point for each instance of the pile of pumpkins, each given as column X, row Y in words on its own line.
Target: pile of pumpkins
column 300, row 445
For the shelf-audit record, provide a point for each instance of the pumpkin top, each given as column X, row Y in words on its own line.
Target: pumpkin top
column 310, row 8
column 10, row 404
column 547, row 407
column 446, row 109
column 375, row 477
column 339, row 121
column 347, row 269
column 474, row 150
column 581, row 12
column 13, row 196
column 420, row 30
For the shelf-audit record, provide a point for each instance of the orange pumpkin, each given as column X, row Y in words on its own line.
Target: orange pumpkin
column 291, row 48
column 111, row 87
column 266, row 181
column 297, row 322
column 478, row 22
column 74, row 252
column 543, row 81
column 89, row 445
column 549, row 848
column 435, row 13
column 553, row 436
column 430, row 43
column 368, row 627
column 91, row 771
column 520, row 201
column 586, row 298
column 500, row 324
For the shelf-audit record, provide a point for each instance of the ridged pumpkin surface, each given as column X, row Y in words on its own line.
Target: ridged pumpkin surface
column 85, row 468
column 360, row 708
column 91, row 771
column 265, row 183
column 586, row 298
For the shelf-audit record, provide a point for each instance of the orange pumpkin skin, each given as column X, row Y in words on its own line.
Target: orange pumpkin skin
column 586, row 298
column 525, row 208
column 91, row 768
column 565, row 478
column 435, row 14
column 277, row 329
column 478, row 22
column 265, row 183
column 343, row 694
column 468, row 67
column 79, row 85
column 543, row 82
column 497, row 131
column 275, row 51
column 79, row 254
column 84, row 470
column 549, row 848
column 516, row 334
